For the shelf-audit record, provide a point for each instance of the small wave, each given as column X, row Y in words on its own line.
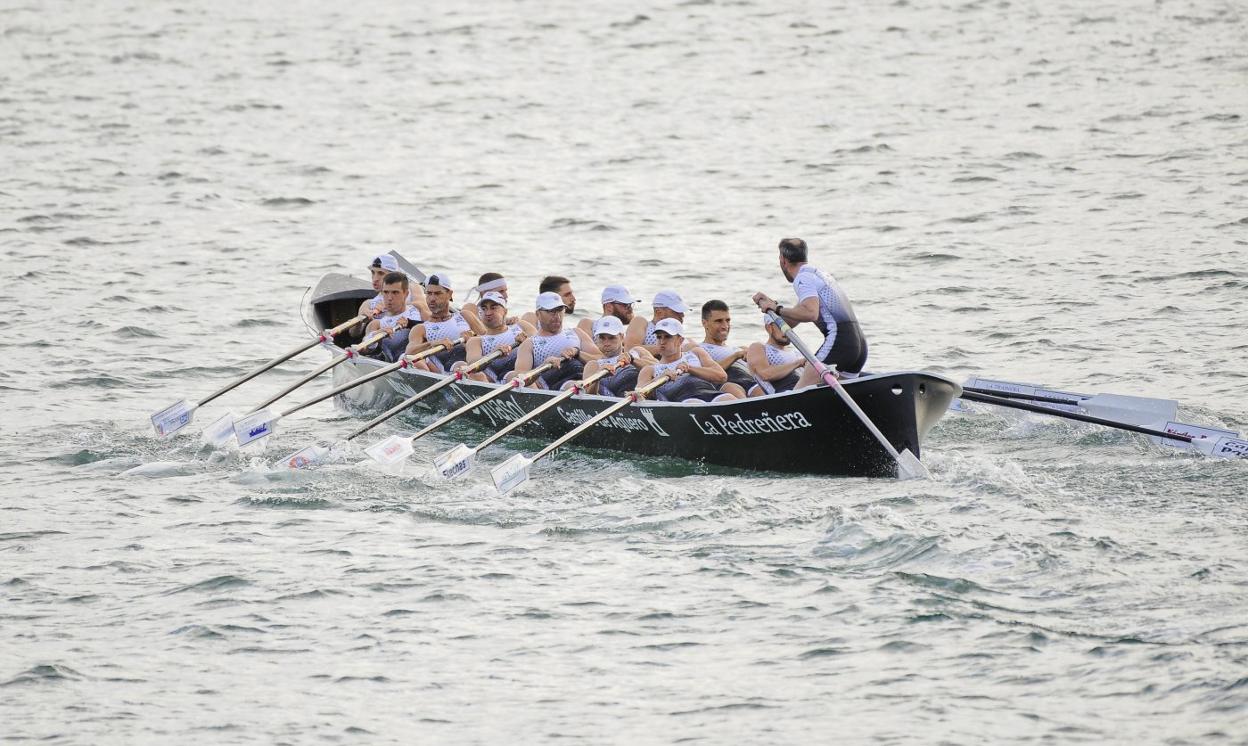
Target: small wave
column 135, row 332
column 44, row 674
column 287, row 203
column 212, row 585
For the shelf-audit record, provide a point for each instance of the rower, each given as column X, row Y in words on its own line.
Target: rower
column 441, row 324
column 821, row 300
column 490, row 281
column 697, row 376
column 774, row 364
column 379, row 267
column 617, row 302
column 622, row 378
column 716, row 325
column 498, row 335
column 666, row 305
column 395, row 316
column 560, row 286
column 568, row 349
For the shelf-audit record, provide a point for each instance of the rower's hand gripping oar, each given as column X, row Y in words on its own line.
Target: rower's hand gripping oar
column 260, row 424
column 178, row 415
column 317, row 453
column 222, row 431
column 397, row 447
column 908, row 465
column 458, row 461
column 1220, row 443
column 515, row 471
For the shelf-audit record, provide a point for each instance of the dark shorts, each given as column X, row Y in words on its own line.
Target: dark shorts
column 447, row 358
column 619, row 383
column 740, row 376
column 570, row 370
column 688, row 386
column 848, row 352
column 393, row 347
column 501, row 366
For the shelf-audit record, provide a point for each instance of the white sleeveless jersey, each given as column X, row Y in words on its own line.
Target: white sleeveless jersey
column 553, row 345
column 651, row 338
column 666, row 368
column 834, row 306
column 776, row 356
column 717, row 352
column 491, row 342
column 389, row 321
column 452, row 328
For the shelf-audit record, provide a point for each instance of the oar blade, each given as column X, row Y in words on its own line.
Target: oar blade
column 255, row 426
column 455, row 462
column 909, row 466
column 511, row 473
column 1223, row 447
column 173, row 418
column 306, row 458
column 221, row 431
column 390, row 451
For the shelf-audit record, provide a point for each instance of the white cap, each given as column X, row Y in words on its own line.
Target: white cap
column 494, row 297
column 669, row 299
column 384, row 261
column 608, row 325
column 670, row 326
column 617, row 294
column 550, row 301
column 441, row 279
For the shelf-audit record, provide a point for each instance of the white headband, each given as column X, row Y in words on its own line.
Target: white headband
column 491, row 285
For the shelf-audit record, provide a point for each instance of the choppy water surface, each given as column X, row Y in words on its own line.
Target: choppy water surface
column 1036, row 191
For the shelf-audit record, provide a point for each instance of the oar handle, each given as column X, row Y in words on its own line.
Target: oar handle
column 973, row 395
column 331, row 333
column 631, row 398
column 577, row 388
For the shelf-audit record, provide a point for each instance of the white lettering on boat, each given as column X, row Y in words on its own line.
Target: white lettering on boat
column 764, row 424
column 616, row 421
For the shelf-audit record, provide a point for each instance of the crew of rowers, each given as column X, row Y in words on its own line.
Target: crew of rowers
column 633, row 350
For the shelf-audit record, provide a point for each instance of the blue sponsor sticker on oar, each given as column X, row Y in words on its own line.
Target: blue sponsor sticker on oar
column 173, row 418
column 255, row 426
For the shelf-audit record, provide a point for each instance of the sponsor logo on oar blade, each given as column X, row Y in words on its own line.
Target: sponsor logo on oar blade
column 310, row 456
column 1195, row 432
column 510, row 474
column 390, row 451
column 1231, row 448
column 455, row 462
column 254, row 427
column 173, row 418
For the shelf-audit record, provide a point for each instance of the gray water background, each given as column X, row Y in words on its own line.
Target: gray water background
column 1052, row 192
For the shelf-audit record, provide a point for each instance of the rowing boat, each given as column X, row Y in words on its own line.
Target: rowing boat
column 808, row 431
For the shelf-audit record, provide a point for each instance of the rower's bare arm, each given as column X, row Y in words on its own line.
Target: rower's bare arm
column 589, row 371
column 756, row 356
column 524, row 357
column 636, row 333
column 645, row 376
column 475, row 324
column 728, row 361
column 709, row 370
column 528, row 329
column 416, row 340
column 416, row 296
column 589, row 350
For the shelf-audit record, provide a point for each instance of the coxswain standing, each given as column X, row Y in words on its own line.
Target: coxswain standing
column 716, row 325
column 820, row 300
column 497, row 335
column 666, row 305
column 394, row 316
column 697, row 376
column 441, row 324
column 568, row 349
column 773, row 363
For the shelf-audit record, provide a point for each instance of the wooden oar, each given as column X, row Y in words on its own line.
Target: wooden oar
column 515, row 471
column 222, row 431
column 317, row 453
column 908, row 465
column 457, row 461
column 178, row 415
column 260, row 424
column 1223, row 443
column 397, row 447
